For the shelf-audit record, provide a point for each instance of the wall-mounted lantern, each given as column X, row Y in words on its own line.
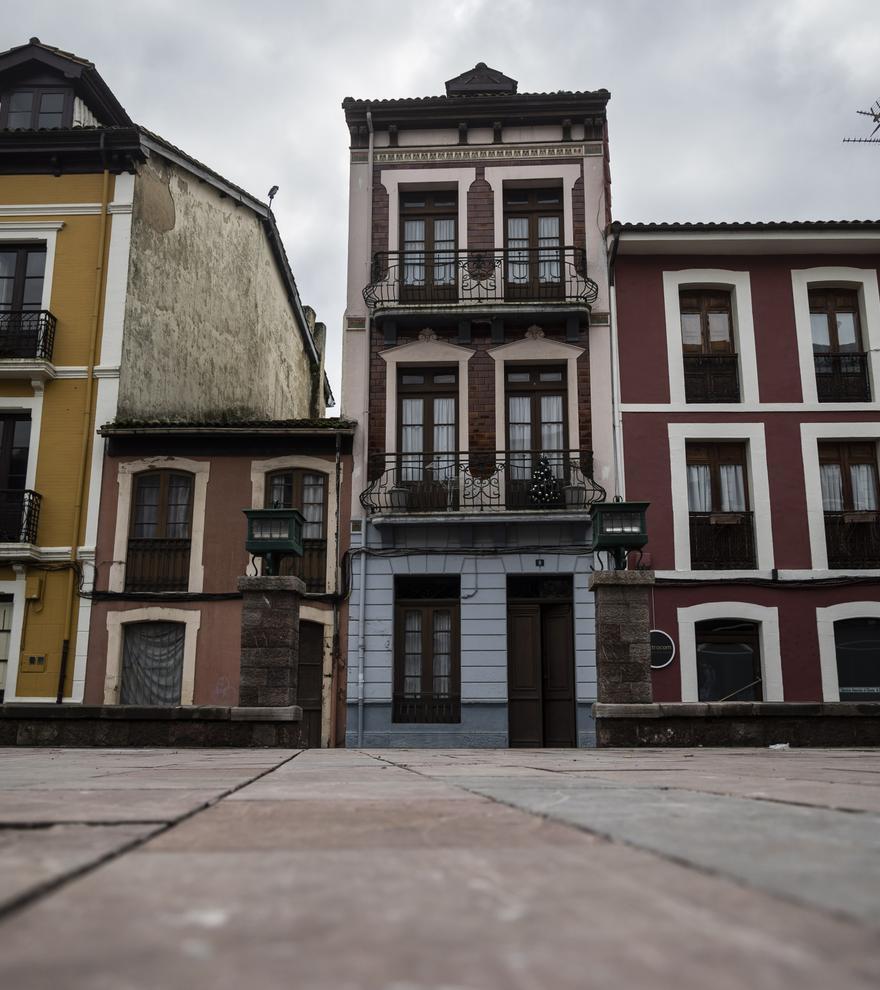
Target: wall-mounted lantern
column 273, row 534
column 619, row 527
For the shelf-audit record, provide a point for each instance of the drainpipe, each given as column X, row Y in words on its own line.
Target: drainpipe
column 365, row 421
column 87, row 429
column 616, row 418
column 334, row 685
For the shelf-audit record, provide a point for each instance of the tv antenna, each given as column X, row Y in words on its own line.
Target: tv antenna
column 874, row 114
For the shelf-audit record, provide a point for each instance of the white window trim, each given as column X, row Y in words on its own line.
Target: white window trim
column 759, row 487
column 36, row 232
column 34, row 406
column 739, row 285
column 392, row 179
column 767, row 618
column 532, row 351
column 124, row 474
column 16, row 589
column 192, row 620
column 811, row 435
column 497, row 175
column 259, row 470
column 425, row 352
column 865, row 281
column 825, row 619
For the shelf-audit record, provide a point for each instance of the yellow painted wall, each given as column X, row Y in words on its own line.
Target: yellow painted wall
column 58, row 448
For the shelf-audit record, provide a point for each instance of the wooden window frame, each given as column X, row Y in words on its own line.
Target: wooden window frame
column 534, row 389
column 38, row 92
column 428, row 390
column 313, row 572
column 533, row 287
column 830, row 301
column 18, row 282
column 702, row 302
column 6, row 448
column 532, row 210
column 426, row 700
column 845, row 453
column 141, row 544
column 716, row 455
column 429, row 212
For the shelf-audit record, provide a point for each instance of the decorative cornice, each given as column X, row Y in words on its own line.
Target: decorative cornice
column 471, row 153
column 59, row 209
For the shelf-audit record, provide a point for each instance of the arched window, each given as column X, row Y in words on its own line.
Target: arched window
column 296, row 488
column 728, row 660
column 160, row 532
column 857, row 645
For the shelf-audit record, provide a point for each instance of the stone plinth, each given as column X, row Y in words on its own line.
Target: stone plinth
column 269, row 640
column 623, row 642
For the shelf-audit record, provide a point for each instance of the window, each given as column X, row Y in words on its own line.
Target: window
column 721, row 529
column 710, row 362
column 19, row 508
column 838, row 353
column 533, row 243
column 37, row 108
column 428, row 240
column 850, row 501
column 427, row 419
column 426, row 655
column 536, row 427
column 152, row 663
column 728, row 660
column 857, row 647
column 306, row 491
column 160, row 532
column 24, row 329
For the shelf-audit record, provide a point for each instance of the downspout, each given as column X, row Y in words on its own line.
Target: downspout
column 334, row 686
column 616, row 418
column 87, row 428
column 365, row 425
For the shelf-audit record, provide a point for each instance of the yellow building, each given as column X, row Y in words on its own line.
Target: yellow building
column 120, row 297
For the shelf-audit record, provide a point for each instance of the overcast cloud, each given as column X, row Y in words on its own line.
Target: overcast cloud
column 720, row 109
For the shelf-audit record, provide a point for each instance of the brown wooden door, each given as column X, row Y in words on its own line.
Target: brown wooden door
column 311, row 679
column 540, row 675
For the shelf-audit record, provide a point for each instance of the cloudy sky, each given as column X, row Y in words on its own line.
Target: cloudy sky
column 720, row 109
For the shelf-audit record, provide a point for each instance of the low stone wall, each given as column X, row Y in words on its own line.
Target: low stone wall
column 133, row 725
column 738, row 724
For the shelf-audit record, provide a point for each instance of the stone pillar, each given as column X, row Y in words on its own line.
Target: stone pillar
column 269, row 641
column 623, row 642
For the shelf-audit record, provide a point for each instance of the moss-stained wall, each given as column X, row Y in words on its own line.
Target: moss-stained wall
column 209, row 331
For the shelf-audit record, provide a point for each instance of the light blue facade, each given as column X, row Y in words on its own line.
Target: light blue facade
column 483, row 553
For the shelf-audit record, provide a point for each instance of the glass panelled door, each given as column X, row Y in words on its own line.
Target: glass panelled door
column 427, row 239
column 427, row 417
column 536, row 436
column 533, row 243
column 15, row 434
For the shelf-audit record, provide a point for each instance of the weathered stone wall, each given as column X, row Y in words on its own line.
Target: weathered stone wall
column 623, row 641
column 209, row 332
column 269, row 640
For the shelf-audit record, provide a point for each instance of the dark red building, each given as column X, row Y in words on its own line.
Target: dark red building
column 747, row 413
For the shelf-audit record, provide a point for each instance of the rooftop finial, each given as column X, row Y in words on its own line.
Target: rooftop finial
column 480, row 81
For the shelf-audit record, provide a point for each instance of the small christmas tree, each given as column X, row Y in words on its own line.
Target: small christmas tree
column 544, row 489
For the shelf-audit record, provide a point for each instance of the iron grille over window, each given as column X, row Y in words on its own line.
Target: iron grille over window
column 711, row 368
column 838, row 349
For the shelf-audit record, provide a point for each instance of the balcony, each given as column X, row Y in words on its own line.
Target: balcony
column 842, row 377
column 711, row 378
column 19, row 515
column 480, row 482
column 852, row 539
column 722, row 541
column 157, row 565
column 27, row 337
column 480, row 280
column 311, row 568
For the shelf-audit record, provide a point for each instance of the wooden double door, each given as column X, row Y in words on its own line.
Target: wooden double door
column 540, row 674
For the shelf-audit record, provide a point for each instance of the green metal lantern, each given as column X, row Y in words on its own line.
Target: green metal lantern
column 273, row 534
column 619, row 527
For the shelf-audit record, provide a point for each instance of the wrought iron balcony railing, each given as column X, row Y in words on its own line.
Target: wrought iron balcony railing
column 311, row 567
column 27, row 334
column 19, row 515
column 852, row 539
column 842, row 377
column 467, row 278
column 490, row 481
column 157, row 565
column 722, row 541
column 426, row 709
column 711, row 378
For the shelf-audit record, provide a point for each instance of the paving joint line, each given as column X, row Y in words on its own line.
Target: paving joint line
column 41, row 890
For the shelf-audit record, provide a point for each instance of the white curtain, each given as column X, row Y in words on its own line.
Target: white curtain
column 444, row 438
column 442, row 653
column 517, row 250
column 733, row 494
column 548, row 249
column 412, row 654
column 444, row 252
column 699, row 488
column 552, row 431
column 179, row 498
column 411, row 439
column 313, row 506
column 414, row 252
column 864, row 487
column 152, row 663
column 832, row 487
column 520, row 430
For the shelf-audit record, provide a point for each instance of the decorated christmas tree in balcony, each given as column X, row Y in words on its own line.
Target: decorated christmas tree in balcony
column 544, row 489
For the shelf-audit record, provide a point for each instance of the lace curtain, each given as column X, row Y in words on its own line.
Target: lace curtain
column 548, row 249
column 444, row 252
column 442, row 653
column 414, row 252
column 152, row 663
